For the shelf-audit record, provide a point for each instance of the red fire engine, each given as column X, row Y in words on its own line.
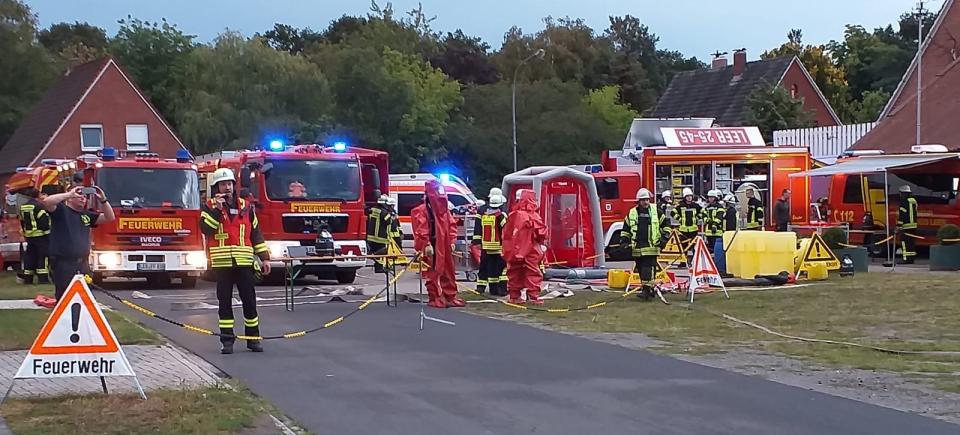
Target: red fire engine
column 673, row 154
column 11, row 237
column 298, row 187
column 157, row 202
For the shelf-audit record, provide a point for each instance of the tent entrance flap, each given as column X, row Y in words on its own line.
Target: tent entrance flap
column 870, row 164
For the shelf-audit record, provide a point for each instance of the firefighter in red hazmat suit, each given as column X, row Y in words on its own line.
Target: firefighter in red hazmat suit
column 523, row 238
column 434, row 235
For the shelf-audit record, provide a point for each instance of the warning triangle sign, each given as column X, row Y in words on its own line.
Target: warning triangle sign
column 703, row 272
column 817, row 251
column 662, row 279
column 673, row 250
column 76, row 340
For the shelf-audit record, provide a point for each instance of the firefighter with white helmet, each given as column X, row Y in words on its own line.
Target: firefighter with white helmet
column 730, row 218
column 665, row 212
column 395, row 232
column 488, row 236
column 234, row 241
column 380, row 222
column 641, row 235
column 713, row 215
column 755, row 211
column 688, row 214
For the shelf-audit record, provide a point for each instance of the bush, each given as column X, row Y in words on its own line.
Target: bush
column 948, row 232
column 834, row 237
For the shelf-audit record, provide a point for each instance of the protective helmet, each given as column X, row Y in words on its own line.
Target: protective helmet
column 714, row 193
column 643, row 193
column 222, row 174
column 687, row 192
column 666, row 194
column 481, row 203
column 497, row 200
column 495, row 191
column 391, row 201
column 729, row 198
column 905, row 188
column 384, row 199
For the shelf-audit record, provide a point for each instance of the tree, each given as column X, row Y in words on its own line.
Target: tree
column 290, row 39
column 872, row 61
column 771, row 108
column 830, row 78
column 27, row 68
column 873, row 103
column 605, row 103
column 77, row 42
column 152, row 53
column 240, row 92
column 465, row 59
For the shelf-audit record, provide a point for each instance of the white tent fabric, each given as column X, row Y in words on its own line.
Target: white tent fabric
column 871, row 164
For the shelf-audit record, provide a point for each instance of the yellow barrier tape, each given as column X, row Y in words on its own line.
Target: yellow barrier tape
column 139, row 308
column 883, row 241
column 914, row 236
column 950, row 240
column 333, row 322
column 519, row 307
column 197, row 329
column 250, row 337
column 596, row 305
column 364, row 305
column 295, row 334
column 558, row 310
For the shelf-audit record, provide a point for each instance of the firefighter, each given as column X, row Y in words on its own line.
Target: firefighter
column 523, row 239
column 713, row 214
column 641, row 234
column 730, row 218
column 234, row 241
column 754, row 211
column 665, row 210
column 687, row 215
column 434, row 237
column 482, row 205
column 379, row 224
column 35, row 224
column 488, row 235
column 907, row 224
column 395, row 233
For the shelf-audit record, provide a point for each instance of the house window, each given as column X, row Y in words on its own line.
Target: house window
column 91, row 137
column 137, row 137
column 794, row 90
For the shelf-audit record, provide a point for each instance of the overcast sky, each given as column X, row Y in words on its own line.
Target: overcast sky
column 695, row 27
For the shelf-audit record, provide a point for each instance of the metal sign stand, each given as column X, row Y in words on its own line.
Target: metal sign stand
column 423, row 314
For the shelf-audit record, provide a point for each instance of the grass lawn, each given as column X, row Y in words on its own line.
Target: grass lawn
column 9, row 289
column 203, row 411
column 901, row 311
column 21, row 327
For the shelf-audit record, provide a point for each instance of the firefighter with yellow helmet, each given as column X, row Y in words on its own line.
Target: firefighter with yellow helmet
column 236, row 247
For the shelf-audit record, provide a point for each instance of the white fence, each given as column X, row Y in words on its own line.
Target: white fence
column 825, row 143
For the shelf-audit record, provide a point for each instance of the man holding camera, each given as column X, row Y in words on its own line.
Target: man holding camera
column 71, row 216
column 234, row 241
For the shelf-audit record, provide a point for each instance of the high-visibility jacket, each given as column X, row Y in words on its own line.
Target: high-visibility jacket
column 394, row 232
column 687, row 214
column 233, row 236
column 754, row 214
column 907, row 217
column 641, row 231
column 489, row 232
column 34, row 220
column 379, row 222
column 713, row 220
column 665, row 212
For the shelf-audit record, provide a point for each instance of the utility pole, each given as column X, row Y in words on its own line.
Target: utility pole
column 920, row 11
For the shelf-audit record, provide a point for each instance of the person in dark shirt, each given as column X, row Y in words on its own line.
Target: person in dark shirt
column 70, row 222
column 781, row 211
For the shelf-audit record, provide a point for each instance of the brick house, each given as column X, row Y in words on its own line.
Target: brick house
column 91, row 106
column 721, row 91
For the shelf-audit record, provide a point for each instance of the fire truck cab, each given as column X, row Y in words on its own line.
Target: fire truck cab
column 156, row 234
column 299, row 187
column 673, row 154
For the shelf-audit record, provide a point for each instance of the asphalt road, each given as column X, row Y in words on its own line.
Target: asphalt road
column 378, row 373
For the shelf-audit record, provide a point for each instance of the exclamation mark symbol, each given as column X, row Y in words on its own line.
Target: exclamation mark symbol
column 75, row 322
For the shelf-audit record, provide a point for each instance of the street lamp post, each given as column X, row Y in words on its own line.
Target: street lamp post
column 537, row 54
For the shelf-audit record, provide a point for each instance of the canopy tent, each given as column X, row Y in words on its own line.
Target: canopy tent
column 877, row 164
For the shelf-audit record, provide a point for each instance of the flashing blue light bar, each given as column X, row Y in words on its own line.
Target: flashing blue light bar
column 108, row 153
column 276, row 145
column 339, row 146
column 183, row 156
column 445, row 177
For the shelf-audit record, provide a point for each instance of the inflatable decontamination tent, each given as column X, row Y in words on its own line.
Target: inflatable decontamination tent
column 570, row 208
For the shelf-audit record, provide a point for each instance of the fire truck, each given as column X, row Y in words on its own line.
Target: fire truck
column 673, row 154
column 156, row 233
column 12, row 242
column 299, row 188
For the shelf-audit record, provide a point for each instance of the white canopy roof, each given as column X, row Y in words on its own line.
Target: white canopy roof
column 871, row 164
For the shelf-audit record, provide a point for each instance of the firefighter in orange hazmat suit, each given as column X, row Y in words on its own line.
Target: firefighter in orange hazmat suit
column 434, row 235
column 523, row 239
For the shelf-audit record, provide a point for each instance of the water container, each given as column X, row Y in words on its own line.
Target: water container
column 753, row 253
column 817, row 271
column 618, row 278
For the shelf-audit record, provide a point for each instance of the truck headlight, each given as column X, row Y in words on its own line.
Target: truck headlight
column 109, row 259
column 196, row 259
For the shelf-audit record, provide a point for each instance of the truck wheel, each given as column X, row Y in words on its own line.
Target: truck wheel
column 188, row 282
column 159, row 280
column 347, row 276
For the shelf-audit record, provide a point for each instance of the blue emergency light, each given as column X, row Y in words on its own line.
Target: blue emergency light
column 445, row 177
column 276, row 145
column 340, row 146
column 183, row 156
column 108, row 154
